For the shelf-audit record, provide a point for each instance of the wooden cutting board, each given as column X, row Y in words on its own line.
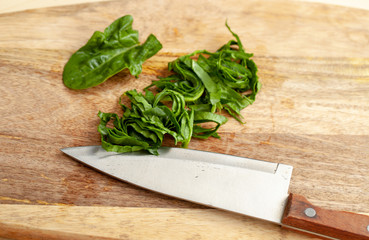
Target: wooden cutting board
column 312, row 113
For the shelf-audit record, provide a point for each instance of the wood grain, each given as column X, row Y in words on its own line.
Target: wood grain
column 330, row 223
column 64, row 222
column 312, row 112
column 21, row 5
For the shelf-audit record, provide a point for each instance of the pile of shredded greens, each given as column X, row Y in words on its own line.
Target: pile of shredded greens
column 215, row 80
column 202, row 84
column 144, row 124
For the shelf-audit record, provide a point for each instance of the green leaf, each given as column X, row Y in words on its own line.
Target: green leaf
column 107, row 53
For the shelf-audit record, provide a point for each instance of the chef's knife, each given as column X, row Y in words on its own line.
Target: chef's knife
column 242, row 185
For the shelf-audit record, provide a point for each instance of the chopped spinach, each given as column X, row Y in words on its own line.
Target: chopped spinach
column 226, row 79
column 144, row 124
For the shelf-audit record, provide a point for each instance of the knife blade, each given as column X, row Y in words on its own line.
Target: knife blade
column 246, row 186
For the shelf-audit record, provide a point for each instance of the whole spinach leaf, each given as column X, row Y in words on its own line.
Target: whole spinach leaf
column 107, row 53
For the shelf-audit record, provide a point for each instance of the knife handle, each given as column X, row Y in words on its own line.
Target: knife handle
column 301, row 215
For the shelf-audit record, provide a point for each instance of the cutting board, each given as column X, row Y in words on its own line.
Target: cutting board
column 312, row 113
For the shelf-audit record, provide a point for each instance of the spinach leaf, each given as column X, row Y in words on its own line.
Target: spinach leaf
column 107, row 53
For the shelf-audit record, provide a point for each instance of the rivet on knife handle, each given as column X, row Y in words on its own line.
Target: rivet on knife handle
column 300, row 214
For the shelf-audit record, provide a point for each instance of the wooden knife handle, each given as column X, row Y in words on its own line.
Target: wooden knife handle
column 301, row 215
